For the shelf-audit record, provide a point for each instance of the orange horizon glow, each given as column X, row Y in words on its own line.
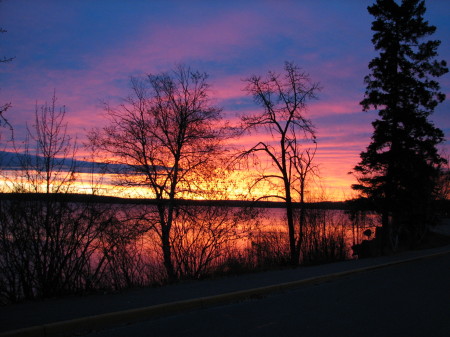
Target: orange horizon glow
column 234, row 187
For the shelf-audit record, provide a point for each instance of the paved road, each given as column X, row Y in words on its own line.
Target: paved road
column 411, row 299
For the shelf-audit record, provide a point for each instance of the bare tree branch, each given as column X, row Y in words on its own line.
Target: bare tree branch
column 283, row 99
column 169, row 135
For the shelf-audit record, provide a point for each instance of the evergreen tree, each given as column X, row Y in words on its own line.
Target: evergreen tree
column 398, row 171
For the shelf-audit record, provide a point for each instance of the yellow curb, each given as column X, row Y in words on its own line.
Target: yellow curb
column 97, row 322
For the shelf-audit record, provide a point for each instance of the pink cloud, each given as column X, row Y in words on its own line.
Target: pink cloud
column 321, row 108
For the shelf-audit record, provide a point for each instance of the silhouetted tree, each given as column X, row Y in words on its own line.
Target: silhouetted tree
column 46, row 243
column 167, row 137
column 399, row 169
column 52, row 243
column 305, row 168
column 203, row 236
column 5, row 106
column 48, row 163
column 283, row 98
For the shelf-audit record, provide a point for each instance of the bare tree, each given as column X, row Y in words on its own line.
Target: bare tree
column 204, row 234
column 47, row 159
column 305, row 170
column 283, row 98
column 39, row 237
column 166, row 136
column 52, row 243
column 5, row 106
column 51, row 246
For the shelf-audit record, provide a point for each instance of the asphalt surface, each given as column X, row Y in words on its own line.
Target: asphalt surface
column 101, row 312
column 410, row 299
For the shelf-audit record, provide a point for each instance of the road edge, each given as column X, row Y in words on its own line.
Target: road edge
column 117, row 318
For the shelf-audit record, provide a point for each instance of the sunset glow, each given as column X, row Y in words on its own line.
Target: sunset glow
column 86, row 53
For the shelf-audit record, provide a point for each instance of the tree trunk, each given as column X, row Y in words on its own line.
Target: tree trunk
column 165, row 243
column 290, row 219
column 167, row 254
column 302, row 219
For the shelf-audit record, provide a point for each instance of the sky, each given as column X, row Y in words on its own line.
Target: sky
column 86, row 51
